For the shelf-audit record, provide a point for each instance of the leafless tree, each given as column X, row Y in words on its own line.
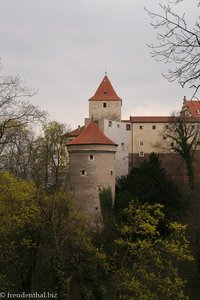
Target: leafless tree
column 178, row 45
column 15, row 110
column 182, row 134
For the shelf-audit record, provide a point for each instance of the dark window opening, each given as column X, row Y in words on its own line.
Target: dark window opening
column 104, row 104
column 141, row 154
column 128, row 127
column 141, row 127
column 83, row 172
column 91, row 157
column 154, row 127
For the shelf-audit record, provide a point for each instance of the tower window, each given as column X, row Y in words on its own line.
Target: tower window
column 141, row 154
column 91, row 157
column 118, row 126
column 128, row 127
column 83, row 172
column 104, row 104
column 141, row 127
column 111, row 172
column 154, row 127
column 110, row 123
column 141, row 143
column 105, row 92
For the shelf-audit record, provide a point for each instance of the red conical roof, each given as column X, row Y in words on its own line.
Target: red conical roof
column 105, row 91
column 92, row 135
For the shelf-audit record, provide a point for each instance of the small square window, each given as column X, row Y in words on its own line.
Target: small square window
column 172, row 144
column 141, row 127
column 110, row 123
column 104, row 104
column 91, row 157
column 167, row 126
column 154, row 127
column 128, row 127
column 141, row 154
column 118, row 126
column 83, row 172
column 111, row 172
column 164, row 137
column 141, row 143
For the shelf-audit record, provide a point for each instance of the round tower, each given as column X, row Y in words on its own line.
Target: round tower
column 105, row 104
column 92, row 167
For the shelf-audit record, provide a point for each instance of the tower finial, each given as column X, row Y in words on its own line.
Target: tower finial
column 106, row 71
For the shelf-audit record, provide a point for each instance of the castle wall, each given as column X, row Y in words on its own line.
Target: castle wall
column 146, row 138
column 117, row 132
column 173, row 164
column 110, row 110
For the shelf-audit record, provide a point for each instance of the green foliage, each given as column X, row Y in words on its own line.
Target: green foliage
column 43, row 236
column 105, row 197
column 78, row 266
column 145, row 263
column 149, row 184
column 19, row 241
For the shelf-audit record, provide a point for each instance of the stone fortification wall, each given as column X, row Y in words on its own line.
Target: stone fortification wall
column 173, row 164
column 92, row 167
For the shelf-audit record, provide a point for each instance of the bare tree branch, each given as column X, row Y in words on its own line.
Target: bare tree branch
column 15, row 110
column 178, row 45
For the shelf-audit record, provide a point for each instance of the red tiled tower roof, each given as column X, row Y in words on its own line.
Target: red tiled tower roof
column 105, row 92
column 194, row 107
column 92, row 135
column 75, row 132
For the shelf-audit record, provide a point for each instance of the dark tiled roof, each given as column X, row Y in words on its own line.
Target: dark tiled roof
column 150, row 119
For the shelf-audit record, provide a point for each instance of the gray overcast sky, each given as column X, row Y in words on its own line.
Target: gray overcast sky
column 62, row 48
